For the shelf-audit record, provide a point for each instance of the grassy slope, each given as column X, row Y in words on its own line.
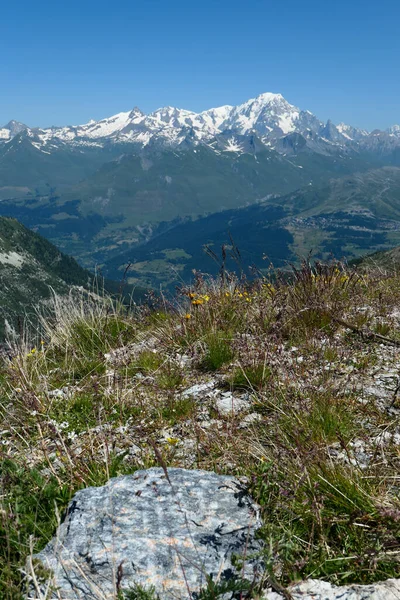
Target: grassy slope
column 320, row 449
column 386, row 262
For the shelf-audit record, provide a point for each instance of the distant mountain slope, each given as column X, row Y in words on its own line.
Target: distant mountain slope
column 376, row 191
column 171, row 257
column 350, row 216
column 387, row 261
column 125, row 201
column 24, row 163
column 30, row 267
column 162, row 185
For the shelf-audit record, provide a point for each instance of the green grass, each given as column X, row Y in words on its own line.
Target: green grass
column 324, row 522
column 212, row 591
column 78, row 413
column 251, row 377
column 28, row 515
column 382, row 329
column 170, row 377
column 138, row 592
column 219, row 351
column 147, row 363
column 328, row 510
column 323, row 419
column 175, row 410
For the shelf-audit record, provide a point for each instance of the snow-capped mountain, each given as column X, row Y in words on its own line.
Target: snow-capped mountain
column 351, row 133
column 269, row 117
column 11, row 130
column 394, row 130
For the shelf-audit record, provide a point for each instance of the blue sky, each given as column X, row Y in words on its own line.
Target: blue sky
column 65, row 62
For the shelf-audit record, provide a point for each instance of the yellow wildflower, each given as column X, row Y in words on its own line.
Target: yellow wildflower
column 197, row 301
column 188, row 316
column 172, row 441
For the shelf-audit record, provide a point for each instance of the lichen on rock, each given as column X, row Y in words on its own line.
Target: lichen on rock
column 168, row 530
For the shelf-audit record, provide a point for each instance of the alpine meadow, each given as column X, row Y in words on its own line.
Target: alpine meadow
column 200, row 307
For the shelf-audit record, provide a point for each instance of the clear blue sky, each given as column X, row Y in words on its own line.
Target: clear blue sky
column 65, row 62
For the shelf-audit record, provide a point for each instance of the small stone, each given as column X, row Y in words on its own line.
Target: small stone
column 314, row 589
column 58, row 393
column 228, row 404
column 250, row 419
column 197, row 389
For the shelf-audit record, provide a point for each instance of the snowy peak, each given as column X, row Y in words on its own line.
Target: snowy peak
column 106, row 127
column 266, row 113
column 331, row 133
column 12, row 129
column 268, row 118
column 15, row 127
column 214, row 118
column 173, row 117
column 351, row 133
column 136, row 113
column 394, row 130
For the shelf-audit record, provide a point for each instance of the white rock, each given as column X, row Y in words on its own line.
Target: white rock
column 314, row 589
column 58, row 393
column 250, row 419
column 228, row 404
column 197, row 389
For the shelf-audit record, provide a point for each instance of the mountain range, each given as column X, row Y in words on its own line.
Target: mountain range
column 268, row 116
column 108, row 191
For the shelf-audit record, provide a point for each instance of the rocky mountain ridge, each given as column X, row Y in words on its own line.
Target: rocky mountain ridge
column 269, row 116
